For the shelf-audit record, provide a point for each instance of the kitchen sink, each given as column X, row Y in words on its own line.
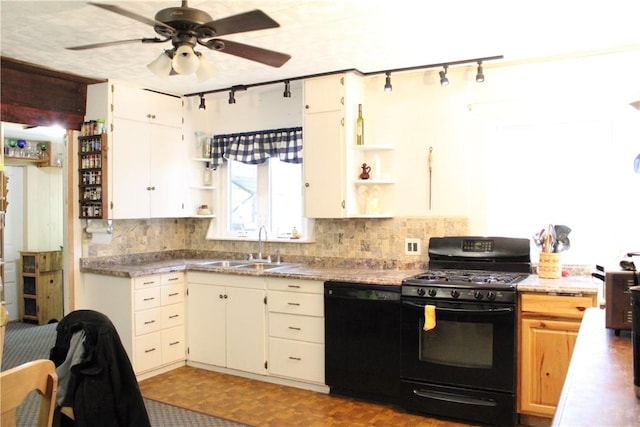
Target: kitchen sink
column 261, row 266
column 225, row 263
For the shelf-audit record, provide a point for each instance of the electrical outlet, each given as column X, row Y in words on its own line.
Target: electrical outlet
column 412, row 246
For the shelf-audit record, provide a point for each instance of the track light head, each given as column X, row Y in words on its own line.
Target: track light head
column 287, row 89
column 202, row 105
column 444, row 81
column 480, row 73
column 387, row 83
column 232, row 98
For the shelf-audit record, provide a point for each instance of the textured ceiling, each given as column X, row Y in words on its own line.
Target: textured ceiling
column 320, row 35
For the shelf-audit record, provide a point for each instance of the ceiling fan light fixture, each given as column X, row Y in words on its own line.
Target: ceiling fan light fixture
column 480, row 73
column 161, row 66
column 444, row 81
column 185, row 60
column 387, row 82
column 202, row 105
column 206, row 70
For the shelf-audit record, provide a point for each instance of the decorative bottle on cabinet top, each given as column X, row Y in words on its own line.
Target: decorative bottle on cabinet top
column 359, row 127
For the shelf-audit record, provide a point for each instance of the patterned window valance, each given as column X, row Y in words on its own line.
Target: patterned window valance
column 256, row 147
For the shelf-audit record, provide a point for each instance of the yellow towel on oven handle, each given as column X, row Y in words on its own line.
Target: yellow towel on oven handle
column 429, row 317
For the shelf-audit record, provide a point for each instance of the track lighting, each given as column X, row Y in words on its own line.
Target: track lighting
column 287, row 89
column 202, row 105
column 480, row 73
column 444, row 81
column 387, row 83
column 232, row 98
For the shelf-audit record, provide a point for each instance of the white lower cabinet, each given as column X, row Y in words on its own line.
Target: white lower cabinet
column 296, row 329
column 148, row 313
column 226, row 321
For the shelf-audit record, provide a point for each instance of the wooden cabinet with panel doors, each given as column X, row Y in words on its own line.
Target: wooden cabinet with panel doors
column 548, row 331
column 41, row 298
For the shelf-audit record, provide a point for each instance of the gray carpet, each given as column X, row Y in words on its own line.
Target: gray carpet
column 25, row 342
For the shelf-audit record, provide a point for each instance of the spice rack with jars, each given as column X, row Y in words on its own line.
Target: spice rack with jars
column 92, row 179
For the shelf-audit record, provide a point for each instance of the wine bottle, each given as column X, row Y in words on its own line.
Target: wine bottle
column 359, row 127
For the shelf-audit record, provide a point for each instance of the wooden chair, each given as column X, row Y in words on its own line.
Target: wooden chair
column 18, row 382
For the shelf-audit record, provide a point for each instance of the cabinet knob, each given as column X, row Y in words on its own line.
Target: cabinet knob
column 306, row 107
column 306, row 184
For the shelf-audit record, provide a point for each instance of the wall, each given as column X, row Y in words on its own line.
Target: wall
column 457, row 121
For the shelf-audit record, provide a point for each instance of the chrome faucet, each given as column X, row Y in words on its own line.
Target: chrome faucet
column 260, row 240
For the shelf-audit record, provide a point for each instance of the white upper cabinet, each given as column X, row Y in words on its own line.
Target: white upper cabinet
column 148, row 156
column 332, row 160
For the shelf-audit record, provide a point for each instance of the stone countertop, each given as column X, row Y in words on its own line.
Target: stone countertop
column 568, row 285
column 598, row 389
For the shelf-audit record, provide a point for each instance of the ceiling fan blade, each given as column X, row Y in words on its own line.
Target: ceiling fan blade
column 253, row 53
column 243, row 22
column 117, row 42
column 135, row 16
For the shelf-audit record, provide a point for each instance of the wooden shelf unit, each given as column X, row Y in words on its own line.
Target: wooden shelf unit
column 41, row 286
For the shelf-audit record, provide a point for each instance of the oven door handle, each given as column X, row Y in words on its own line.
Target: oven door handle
column 449, row 397
column 464, row 310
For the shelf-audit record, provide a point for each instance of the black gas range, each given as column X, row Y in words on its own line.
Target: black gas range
column 463, row 365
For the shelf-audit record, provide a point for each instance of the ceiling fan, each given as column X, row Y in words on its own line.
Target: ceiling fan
column 187, row 27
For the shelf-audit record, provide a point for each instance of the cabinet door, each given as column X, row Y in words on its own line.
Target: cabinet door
column 206, row 324
column 324, row 174
column 324, row 93
column 131, row 167
column 246, row 330
column 168, row 161
column 165, row 110
column 547, row 346
column 130, row 103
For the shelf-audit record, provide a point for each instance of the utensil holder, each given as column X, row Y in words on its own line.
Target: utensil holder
column 550, row 266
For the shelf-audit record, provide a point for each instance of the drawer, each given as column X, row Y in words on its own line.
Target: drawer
column 173, row 344
column 146, row 281
column 172, row 294
column 145, row 299
column 295, row 285
column 296, row 303
column 294, row 327
column 555, row 305
column 148, row 321
column 148, row 352
column 173, row 277
column 297, row 360
column 172, row 315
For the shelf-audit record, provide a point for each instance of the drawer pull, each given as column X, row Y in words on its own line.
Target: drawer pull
column 172, row 279
column 294, row 358
column 294, row 286
column 149, row 283
column 150, row 350
column 148, row 322
column 294, row 303
column 149, row 299
column 174, row 294
column 174, row 316
column 174, row 343
column 294, row 328
column 581, row 308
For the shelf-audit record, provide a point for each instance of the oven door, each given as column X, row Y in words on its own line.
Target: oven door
column 472, row 345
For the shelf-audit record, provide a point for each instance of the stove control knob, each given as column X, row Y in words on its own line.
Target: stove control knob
column 420, row 292
column 478, row 295
column 455, row 294
column 433, row 292
column 491, row 295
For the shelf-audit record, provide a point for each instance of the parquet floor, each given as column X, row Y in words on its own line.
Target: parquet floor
column 264, row 404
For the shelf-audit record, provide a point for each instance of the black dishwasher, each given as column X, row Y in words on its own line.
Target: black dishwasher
column 362, row 340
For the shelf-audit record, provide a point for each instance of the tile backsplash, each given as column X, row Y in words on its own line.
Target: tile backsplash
column 347, row 241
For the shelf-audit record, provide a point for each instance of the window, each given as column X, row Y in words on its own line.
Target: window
column 268, row 194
